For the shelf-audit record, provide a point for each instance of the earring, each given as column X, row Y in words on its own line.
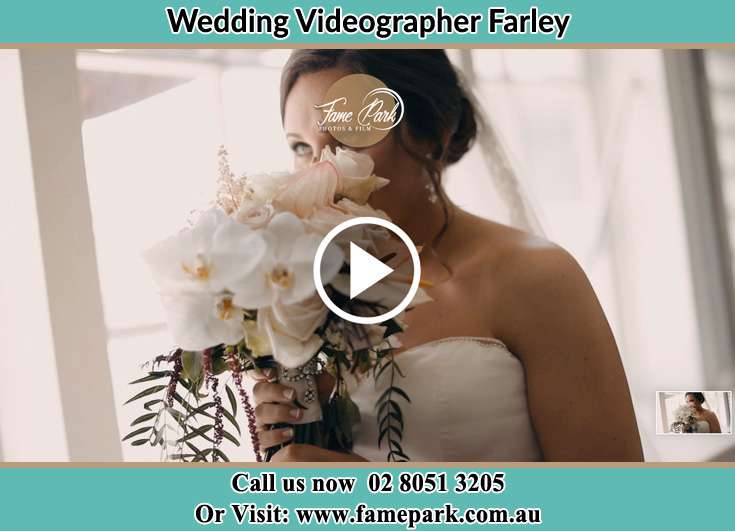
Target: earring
column 431, row 190
column 430, row 186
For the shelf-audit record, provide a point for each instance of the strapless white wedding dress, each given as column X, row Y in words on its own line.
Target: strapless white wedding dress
column 468, row 403
column 702, row 426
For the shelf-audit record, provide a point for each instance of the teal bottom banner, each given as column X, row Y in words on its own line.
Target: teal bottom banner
column 236, row 496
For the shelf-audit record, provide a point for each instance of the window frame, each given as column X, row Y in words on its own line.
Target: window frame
column 704, row 211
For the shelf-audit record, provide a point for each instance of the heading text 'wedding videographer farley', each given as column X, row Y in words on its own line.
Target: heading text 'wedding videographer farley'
column 389, row 487
column 316, row 20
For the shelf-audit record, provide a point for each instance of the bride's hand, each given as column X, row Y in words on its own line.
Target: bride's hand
column 296, row 453
column 274, row 403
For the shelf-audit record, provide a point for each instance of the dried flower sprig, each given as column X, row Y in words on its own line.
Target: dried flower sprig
column 230, row 189
column 174, row 378
column 212, row 383
column 236, row 369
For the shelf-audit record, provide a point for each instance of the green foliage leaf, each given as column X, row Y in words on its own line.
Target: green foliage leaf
column 147, row 405
column 201, row 410
column 147, row 392
column 152, row 375
column 197, row 432
column 233, row 401
column 227, row 435
column 381, row 370
column 390, row 415
column 192, row 363
column 202, row 456
column 232, row 420
column 221, row 455
column 401, row 392
column 139, row 442
column 139, row 431
column 396, row 408
column 143, row 418
column 191, row 410
column 219, row 365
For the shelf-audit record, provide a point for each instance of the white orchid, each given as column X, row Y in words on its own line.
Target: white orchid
column 200, row 320
column 357, row 180
column 212, row 256
column 284, row 273
column 196, row 271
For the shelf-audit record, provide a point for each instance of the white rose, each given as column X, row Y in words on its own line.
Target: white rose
column 290, row 330
column 255, row 217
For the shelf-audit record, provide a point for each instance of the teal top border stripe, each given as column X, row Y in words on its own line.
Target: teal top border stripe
column 592, row 22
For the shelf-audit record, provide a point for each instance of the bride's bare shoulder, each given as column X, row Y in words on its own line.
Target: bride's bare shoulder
column 510, row 262
column 498, row 248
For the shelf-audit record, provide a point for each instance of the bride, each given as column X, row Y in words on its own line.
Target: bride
column 513, row 360
column 707, row 421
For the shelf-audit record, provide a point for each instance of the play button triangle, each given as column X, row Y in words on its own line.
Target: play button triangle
column 365, row 270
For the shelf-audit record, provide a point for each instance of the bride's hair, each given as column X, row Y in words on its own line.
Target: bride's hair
column 438, row 108
column 699, row 397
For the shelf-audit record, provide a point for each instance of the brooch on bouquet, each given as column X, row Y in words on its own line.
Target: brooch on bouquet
column 238, row 293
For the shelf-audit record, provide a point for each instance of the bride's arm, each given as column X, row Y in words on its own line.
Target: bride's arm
column 578, row 394
column 714, row 423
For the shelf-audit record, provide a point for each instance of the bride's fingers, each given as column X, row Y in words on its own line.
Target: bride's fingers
column 262, row 375
column 273, row 392
column 269, row 413
column 268, row 438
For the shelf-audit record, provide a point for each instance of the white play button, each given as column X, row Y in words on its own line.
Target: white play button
column 365, row 270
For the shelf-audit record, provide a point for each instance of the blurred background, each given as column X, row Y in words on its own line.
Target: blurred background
column 628, row 156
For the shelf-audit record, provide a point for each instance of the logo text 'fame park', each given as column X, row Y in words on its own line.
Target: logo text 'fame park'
column 359, row 110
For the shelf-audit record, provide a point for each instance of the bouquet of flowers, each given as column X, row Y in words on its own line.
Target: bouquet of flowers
column 238, row 292
column 684, row 420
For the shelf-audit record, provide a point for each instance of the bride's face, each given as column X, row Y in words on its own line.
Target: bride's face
column 306, row 141
column 692, row 402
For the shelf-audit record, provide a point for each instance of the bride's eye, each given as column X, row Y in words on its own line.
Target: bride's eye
column 301, row 149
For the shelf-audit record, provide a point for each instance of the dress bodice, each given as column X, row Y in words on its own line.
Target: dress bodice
column 468, row 403
column 702, row 427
